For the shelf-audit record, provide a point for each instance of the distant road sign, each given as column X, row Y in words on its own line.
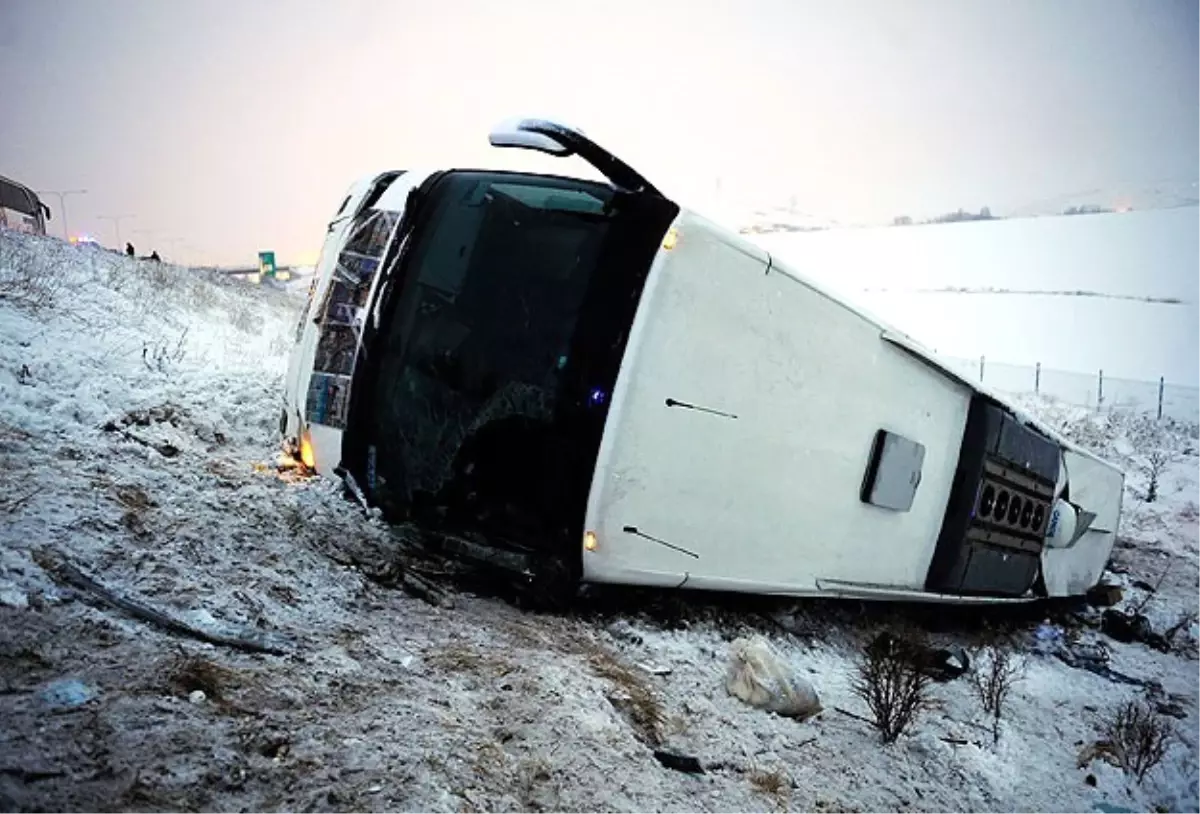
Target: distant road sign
column 266, row 264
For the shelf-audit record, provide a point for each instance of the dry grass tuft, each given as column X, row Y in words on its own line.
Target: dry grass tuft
column 634, row 697
column 134, row 498
column 459, row 658
column 774, row 784
column 136, row 502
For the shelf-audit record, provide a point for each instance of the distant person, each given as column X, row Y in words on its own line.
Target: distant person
column 154, row 256
column 129, row 250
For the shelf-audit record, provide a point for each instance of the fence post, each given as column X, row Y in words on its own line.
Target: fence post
column 1160, row 395
column 980, row 368
column 1037, row 378
column 1100, row 392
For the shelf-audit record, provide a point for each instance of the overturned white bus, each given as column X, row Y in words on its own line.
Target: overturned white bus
column 20, row 208
column 588, row 383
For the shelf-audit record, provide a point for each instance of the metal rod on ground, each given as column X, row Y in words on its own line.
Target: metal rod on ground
column 1160, row 396
column 1100, row 392
column 1037, row 378
column 981, row 368
column 62, row 205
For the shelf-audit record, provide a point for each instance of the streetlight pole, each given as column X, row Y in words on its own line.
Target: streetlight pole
column 62, row 204
column 116, row 219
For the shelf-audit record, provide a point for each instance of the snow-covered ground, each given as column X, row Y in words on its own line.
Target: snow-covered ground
column 1151, row 254
column 385, row 702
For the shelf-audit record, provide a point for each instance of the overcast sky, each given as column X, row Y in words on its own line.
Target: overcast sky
column 237, row 125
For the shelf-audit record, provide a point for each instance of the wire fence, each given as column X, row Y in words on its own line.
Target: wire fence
column 1095, row 390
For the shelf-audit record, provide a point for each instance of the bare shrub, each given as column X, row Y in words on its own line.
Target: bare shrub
column 1138, row 737
column 26, row 279
column 892, row 684
column 201, row 295
column 993, row 678
column 160, row 355
column 161, row 275
column 1090, row 431
column 1156, row 462
column 245, row 317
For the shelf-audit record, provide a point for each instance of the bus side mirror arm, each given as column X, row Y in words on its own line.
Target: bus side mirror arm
column 559, row 140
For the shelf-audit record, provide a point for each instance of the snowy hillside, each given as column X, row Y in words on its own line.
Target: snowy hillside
column 138, row 413
column 781, row 219
column 1143, row 262
column 1165, row 194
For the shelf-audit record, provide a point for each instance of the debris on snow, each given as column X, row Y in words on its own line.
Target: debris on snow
column 678, row 762
column 1132, row 626
column 66, row 693
column 1047, row 638
column 77, row 579
column 946, row 663
column 1105, row 595
column 758, row 676
column 656, row 669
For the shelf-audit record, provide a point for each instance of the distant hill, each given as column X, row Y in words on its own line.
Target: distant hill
column 1116, row 198
column 776, row 219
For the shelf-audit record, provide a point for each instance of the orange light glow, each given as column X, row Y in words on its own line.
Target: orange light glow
column 589, row 541
column 307, row 457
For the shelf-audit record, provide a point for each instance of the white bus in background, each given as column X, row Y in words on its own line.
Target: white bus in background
column 586, row 383
column 21, row 209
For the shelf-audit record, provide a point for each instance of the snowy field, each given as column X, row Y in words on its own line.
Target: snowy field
column 138, row 413
column 1151, row 254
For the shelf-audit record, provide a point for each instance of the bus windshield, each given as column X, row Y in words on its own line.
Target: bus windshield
column 501, row 342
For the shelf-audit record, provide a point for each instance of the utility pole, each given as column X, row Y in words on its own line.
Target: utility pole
column 116, row 219
column 62, row 204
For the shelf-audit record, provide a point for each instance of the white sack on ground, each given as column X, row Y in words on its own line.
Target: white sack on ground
column 761, row 678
